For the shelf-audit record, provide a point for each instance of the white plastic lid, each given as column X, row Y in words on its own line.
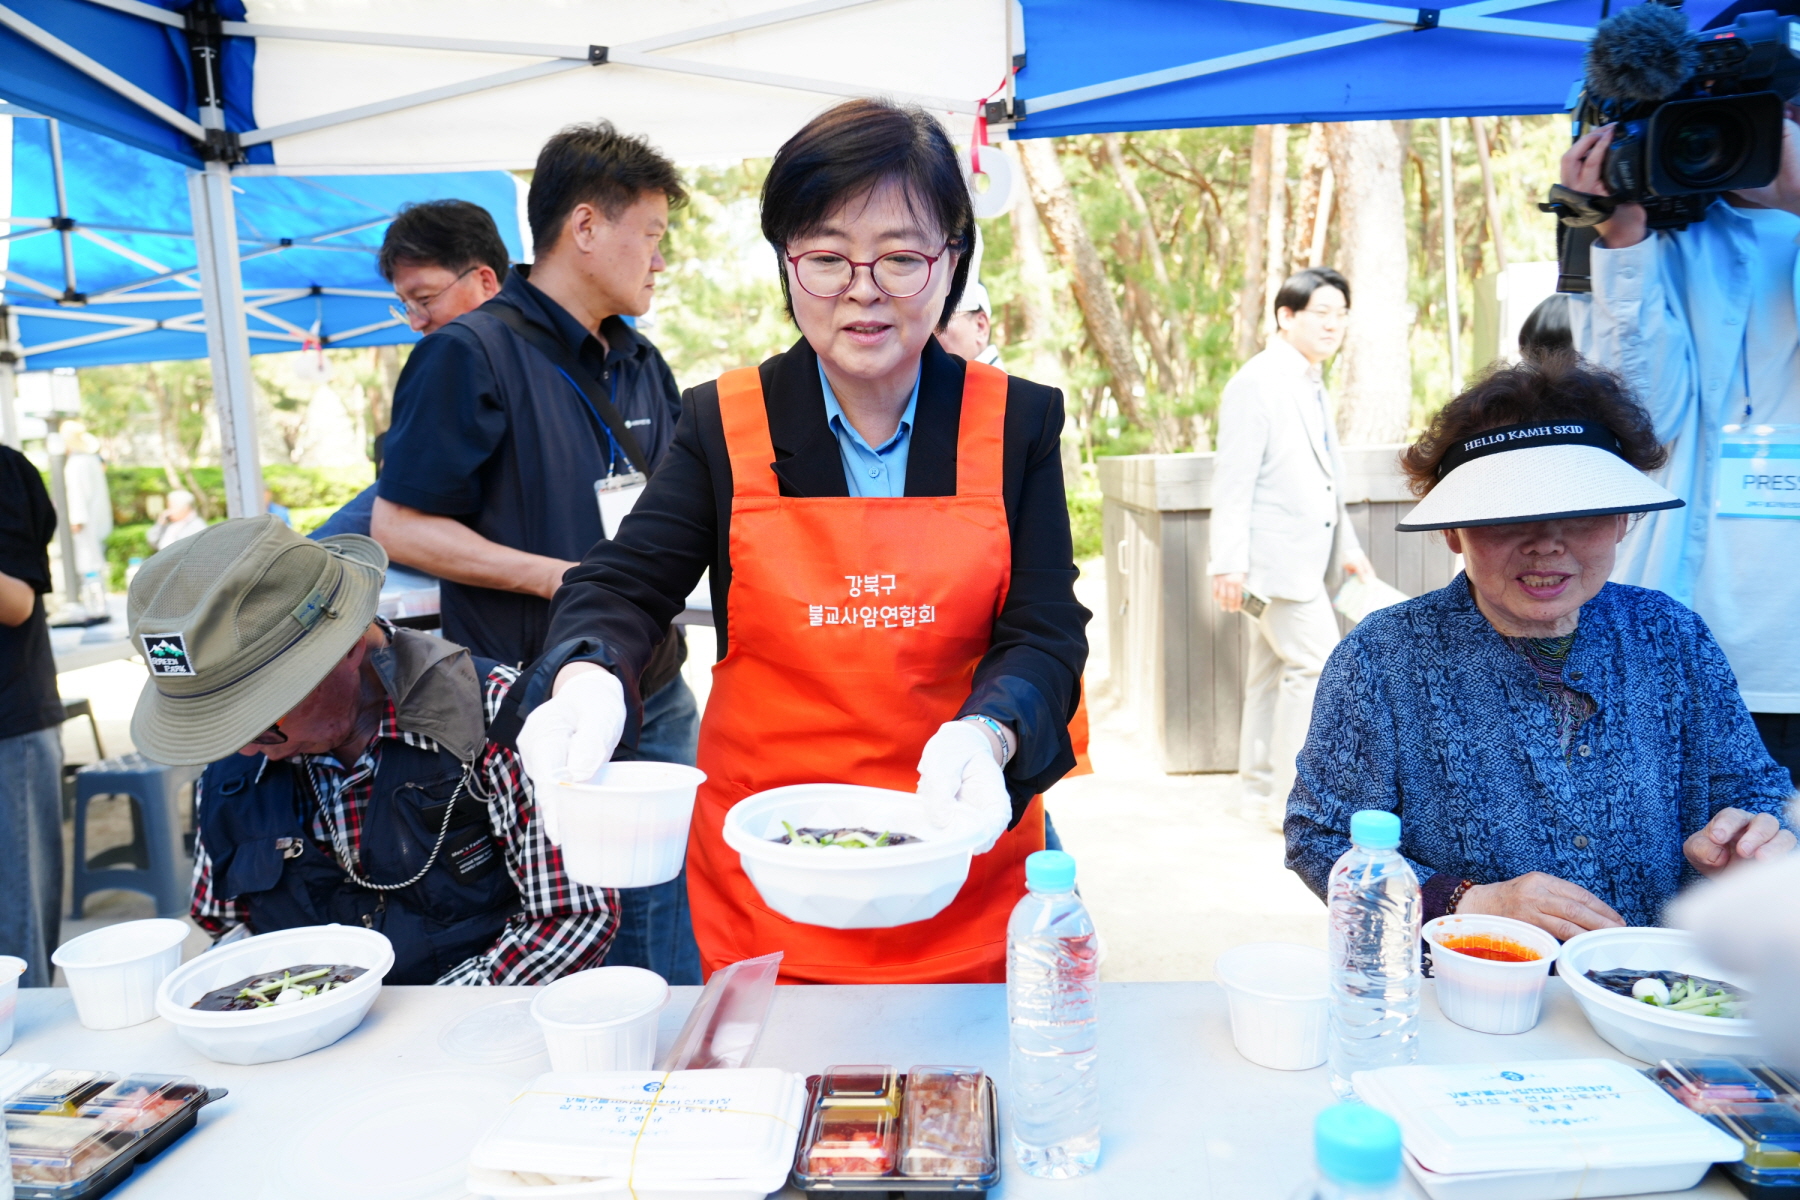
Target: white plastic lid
column 406, row 1139
column 601, row 996
column 1553, row 1114
column 503, row 1032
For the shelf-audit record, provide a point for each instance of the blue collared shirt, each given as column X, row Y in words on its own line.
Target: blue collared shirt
column 871, row 471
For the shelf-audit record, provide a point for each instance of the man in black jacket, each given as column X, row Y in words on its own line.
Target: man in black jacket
column 516, row 424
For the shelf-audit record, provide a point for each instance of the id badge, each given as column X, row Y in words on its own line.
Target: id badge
column 618, row 495
column 1759, row 471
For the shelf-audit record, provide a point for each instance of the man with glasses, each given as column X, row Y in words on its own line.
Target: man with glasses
column 444, row 258
column 1278, row 520
column 360, row 774
column 525, row 429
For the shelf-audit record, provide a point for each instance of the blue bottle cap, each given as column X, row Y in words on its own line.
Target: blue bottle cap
column 1050, row 871
column 1356, row 1144
column 1374, row 829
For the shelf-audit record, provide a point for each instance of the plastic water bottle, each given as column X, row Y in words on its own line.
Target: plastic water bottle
column 1358, row 1152
column 1052, row 995
column 1373, row 953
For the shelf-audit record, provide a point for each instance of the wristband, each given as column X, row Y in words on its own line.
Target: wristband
column 999, row 731
column 1456, row 897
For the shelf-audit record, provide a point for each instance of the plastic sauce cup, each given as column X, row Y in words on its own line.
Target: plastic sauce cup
column 1279, row 1003
column 602, row 1019
column 1484, row 994
column 114, row 972
column 625, row 827
column 10, row 970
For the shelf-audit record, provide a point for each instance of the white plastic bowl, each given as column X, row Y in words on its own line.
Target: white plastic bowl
column 114, row 972
column 874, row 888
column 602, row 1019
column 1643, row 1030
column 10, row 970
column 283, row 1031
column 626, row 827
column 1280, row 1003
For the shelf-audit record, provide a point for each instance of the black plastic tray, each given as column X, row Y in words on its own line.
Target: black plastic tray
column 115, row 1172
column 897, row 1186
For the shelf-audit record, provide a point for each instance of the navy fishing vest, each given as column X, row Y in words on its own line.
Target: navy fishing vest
column 257, row 831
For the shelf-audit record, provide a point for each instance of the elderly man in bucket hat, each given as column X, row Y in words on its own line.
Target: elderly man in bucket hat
column 359, row 773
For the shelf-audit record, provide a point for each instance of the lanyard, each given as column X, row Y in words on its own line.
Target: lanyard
column 613, row 450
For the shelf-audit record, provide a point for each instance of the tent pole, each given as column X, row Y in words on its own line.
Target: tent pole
column 1447, row 178
column 227, row 336
column 9, row 377
column 62, row 211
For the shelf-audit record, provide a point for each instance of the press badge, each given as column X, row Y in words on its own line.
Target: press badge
column 1759, row 471
column 618, row 495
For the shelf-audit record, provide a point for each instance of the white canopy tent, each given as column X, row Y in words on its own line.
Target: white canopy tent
column 341, row 86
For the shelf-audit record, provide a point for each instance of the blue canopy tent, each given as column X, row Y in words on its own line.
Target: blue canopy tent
column 1163, row 64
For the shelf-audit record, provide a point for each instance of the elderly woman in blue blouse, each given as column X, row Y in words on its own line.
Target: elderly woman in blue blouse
column 1561, row 750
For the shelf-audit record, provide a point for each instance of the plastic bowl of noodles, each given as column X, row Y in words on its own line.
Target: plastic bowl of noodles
column 838, row 887
column 1642, row 1030
column 281, row 1031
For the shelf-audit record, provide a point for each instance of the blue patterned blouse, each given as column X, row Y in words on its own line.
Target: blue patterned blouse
column 1425, row 710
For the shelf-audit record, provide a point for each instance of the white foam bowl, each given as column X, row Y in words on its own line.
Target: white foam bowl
column 282, row 1031
column 1642, row 1030
column 1280, row 1003
column 626, row 827
column 10, row 970
column 874, row 888
column 601, row 1019
column 114, row 972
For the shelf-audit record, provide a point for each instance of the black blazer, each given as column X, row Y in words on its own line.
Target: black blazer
column 615, row 605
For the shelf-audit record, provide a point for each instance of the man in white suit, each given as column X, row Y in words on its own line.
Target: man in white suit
column 1277, row 520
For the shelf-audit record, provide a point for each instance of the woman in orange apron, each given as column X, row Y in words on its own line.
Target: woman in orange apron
column 890, row 564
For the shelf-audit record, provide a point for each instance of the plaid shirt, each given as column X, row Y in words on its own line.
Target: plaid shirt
column 565, row 926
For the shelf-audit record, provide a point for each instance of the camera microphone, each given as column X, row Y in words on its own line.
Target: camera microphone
column 1642, row 55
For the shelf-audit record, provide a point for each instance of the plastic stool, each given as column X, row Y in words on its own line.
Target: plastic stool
column 78, row 706
column 162, row 795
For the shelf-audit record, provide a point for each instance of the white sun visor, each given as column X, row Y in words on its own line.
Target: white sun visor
column 1538, row 472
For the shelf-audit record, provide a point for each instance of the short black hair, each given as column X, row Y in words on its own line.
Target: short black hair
column 452, row 234
column 1546, row 330
column 1297, row 292
column 595, row 164
column 846, row 152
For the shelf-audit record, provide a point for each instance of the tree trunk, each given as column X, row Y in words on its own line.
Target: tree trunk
column 1275, row 268
column 1375, row 381
column 1087, row 277
column 1036, row 294
column 1488, row 194
column 1256, row 233
column 1315, row 160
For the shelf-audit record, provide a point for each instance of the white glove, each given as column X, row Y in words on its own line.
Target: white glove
column 959, row 781
column 570, row 736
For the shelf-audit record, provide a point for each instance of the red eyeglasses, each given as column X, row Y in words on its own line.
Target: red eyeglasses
column 900, row 274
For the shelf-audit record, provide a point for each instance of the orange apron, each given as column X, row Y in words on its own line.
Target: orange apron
column 856, row 625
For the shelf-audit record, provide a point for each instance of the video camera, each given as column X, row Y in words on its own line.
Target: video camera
column 1697, row 114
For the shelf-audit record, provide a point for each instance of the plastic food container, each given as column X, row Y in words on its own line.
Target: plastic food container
column 114, row 972
column 602, row 1019
column 1753, row 1102
column 1280, row 1003
column 283, row 1031
column 75, row 1135
column 872, row 1133
column 10, row 970
column 627, row 826
column 875, row 888
column 1549, row 1129
column 1486, row 994
column 1641, row 1030
column 719, row 1134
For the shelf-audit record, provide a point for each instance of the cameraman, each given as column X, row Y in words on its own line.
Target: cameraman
column 1702, row 322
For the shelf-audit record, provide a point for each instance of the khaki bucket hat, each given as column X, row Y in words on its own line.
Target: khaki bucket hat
column 237, row 624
